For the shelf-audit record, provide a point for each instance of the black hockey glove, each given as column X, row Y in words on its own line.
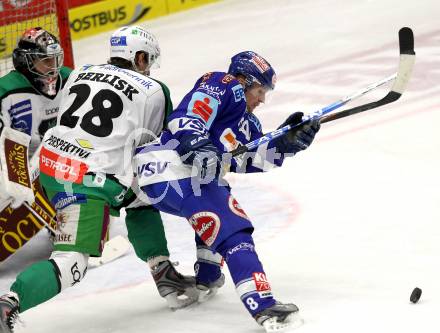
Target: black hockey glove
column 199, row 152
column 298, row 138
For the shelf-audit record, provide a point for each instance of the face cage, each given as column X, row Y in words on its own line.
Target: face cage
column 154, row 61
column 49, row 69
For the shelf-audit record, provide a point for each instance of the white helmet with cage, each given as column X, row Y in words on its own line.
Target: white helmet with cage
column 126, row 42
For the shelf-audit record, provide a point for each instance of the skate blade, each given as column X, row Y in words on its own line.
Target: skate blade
column 292, row 322
column 205, row 296
column 179, row 302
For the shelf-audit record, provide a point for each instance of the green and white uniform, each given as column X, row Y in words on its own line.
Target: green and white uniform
column 85, row 161
column 24, row 108
column 85, row 170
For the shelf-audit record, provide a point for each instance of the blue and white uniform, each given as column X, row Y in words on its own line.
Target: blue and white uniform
column 216, row 109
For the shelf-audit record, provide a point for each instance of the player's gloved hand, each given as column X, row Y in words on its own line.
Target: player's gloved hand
column 298, row 138
column 198, row 151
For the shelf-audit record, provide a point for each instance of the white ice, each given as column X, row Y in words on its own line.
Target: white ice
column 347, row 228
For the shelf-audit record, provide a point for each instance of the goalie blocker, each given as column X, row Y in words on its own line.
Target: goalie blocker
column 19, row 225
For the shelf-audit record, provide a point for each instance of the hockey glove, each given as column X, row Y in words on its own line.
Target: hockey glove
column 298, row 138
column 199, row 152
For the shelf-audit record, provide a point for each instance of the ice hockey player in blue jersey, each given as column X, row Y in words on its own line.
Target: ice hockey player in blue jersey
column 181, row 174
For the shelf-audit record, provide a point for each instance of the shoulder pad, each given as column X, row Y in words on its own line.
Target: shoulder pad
column 13, row 81
column 65, row 72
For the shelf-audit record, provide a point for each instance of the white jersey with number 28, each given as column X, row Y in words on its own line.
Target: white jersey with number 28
column 105, row 112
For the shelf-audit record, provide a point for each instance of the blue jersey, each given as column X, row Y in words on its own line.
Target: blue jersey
column 216, row 107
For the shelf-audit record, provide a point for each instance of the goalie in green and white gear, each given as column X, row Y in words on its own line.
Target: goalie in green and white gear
column 29, row 95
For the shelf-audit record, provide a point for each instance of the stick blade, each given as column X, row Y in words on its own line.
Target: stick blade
column 115, row 248
column 406, row 64
column 406, row 41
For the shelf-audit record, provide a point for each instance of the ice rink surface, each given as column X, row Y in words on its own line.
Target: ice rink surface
column 347, row 228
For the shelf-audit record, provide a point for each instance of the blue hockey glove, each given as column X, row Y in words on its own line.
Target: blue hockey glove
column 198, row 151
column 298, row 138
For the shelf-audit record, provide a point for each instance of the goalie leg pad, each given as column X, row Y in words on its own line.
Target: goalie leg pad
column 70, row 267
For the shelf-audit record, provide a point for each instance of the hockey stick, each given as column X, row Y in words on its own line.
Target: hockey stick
column 407, row 59
column 113, row 249
column 47, row 225
column 401, row 78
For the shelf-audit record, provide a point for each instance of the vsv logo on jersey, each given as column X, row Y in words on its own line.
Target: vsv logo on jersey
column 204, row 107
column 190, row 124
column 238, row 92
column 152, row 168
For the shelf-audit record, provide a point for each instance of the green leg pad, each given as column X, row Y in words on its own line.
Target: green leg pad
column 36, row 284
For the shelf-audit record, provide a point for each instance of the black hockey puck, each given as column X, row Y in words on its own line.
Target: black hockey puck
column 415, row 295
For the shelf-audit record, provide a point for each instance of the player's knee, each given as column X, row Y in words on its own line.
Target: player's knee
column 70, row 267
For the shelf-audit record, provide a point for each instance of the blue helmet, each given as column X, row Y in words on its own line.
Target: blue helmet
column 254, row 68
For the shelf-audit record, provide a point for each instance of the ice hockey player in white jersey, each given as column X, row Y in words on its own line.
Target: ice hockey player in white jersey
column 106, row 111
column 144, row 223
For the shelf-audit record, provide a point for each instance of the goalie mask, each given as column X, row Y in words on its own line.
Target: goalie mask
column 39, row 56
column 126, row 42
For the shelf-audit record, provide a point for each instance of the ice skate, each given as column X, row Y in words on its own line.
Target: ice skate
column 209, row 276
column 208, row 291
column 280, row 317
column 8, row 312
column 178, row 290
